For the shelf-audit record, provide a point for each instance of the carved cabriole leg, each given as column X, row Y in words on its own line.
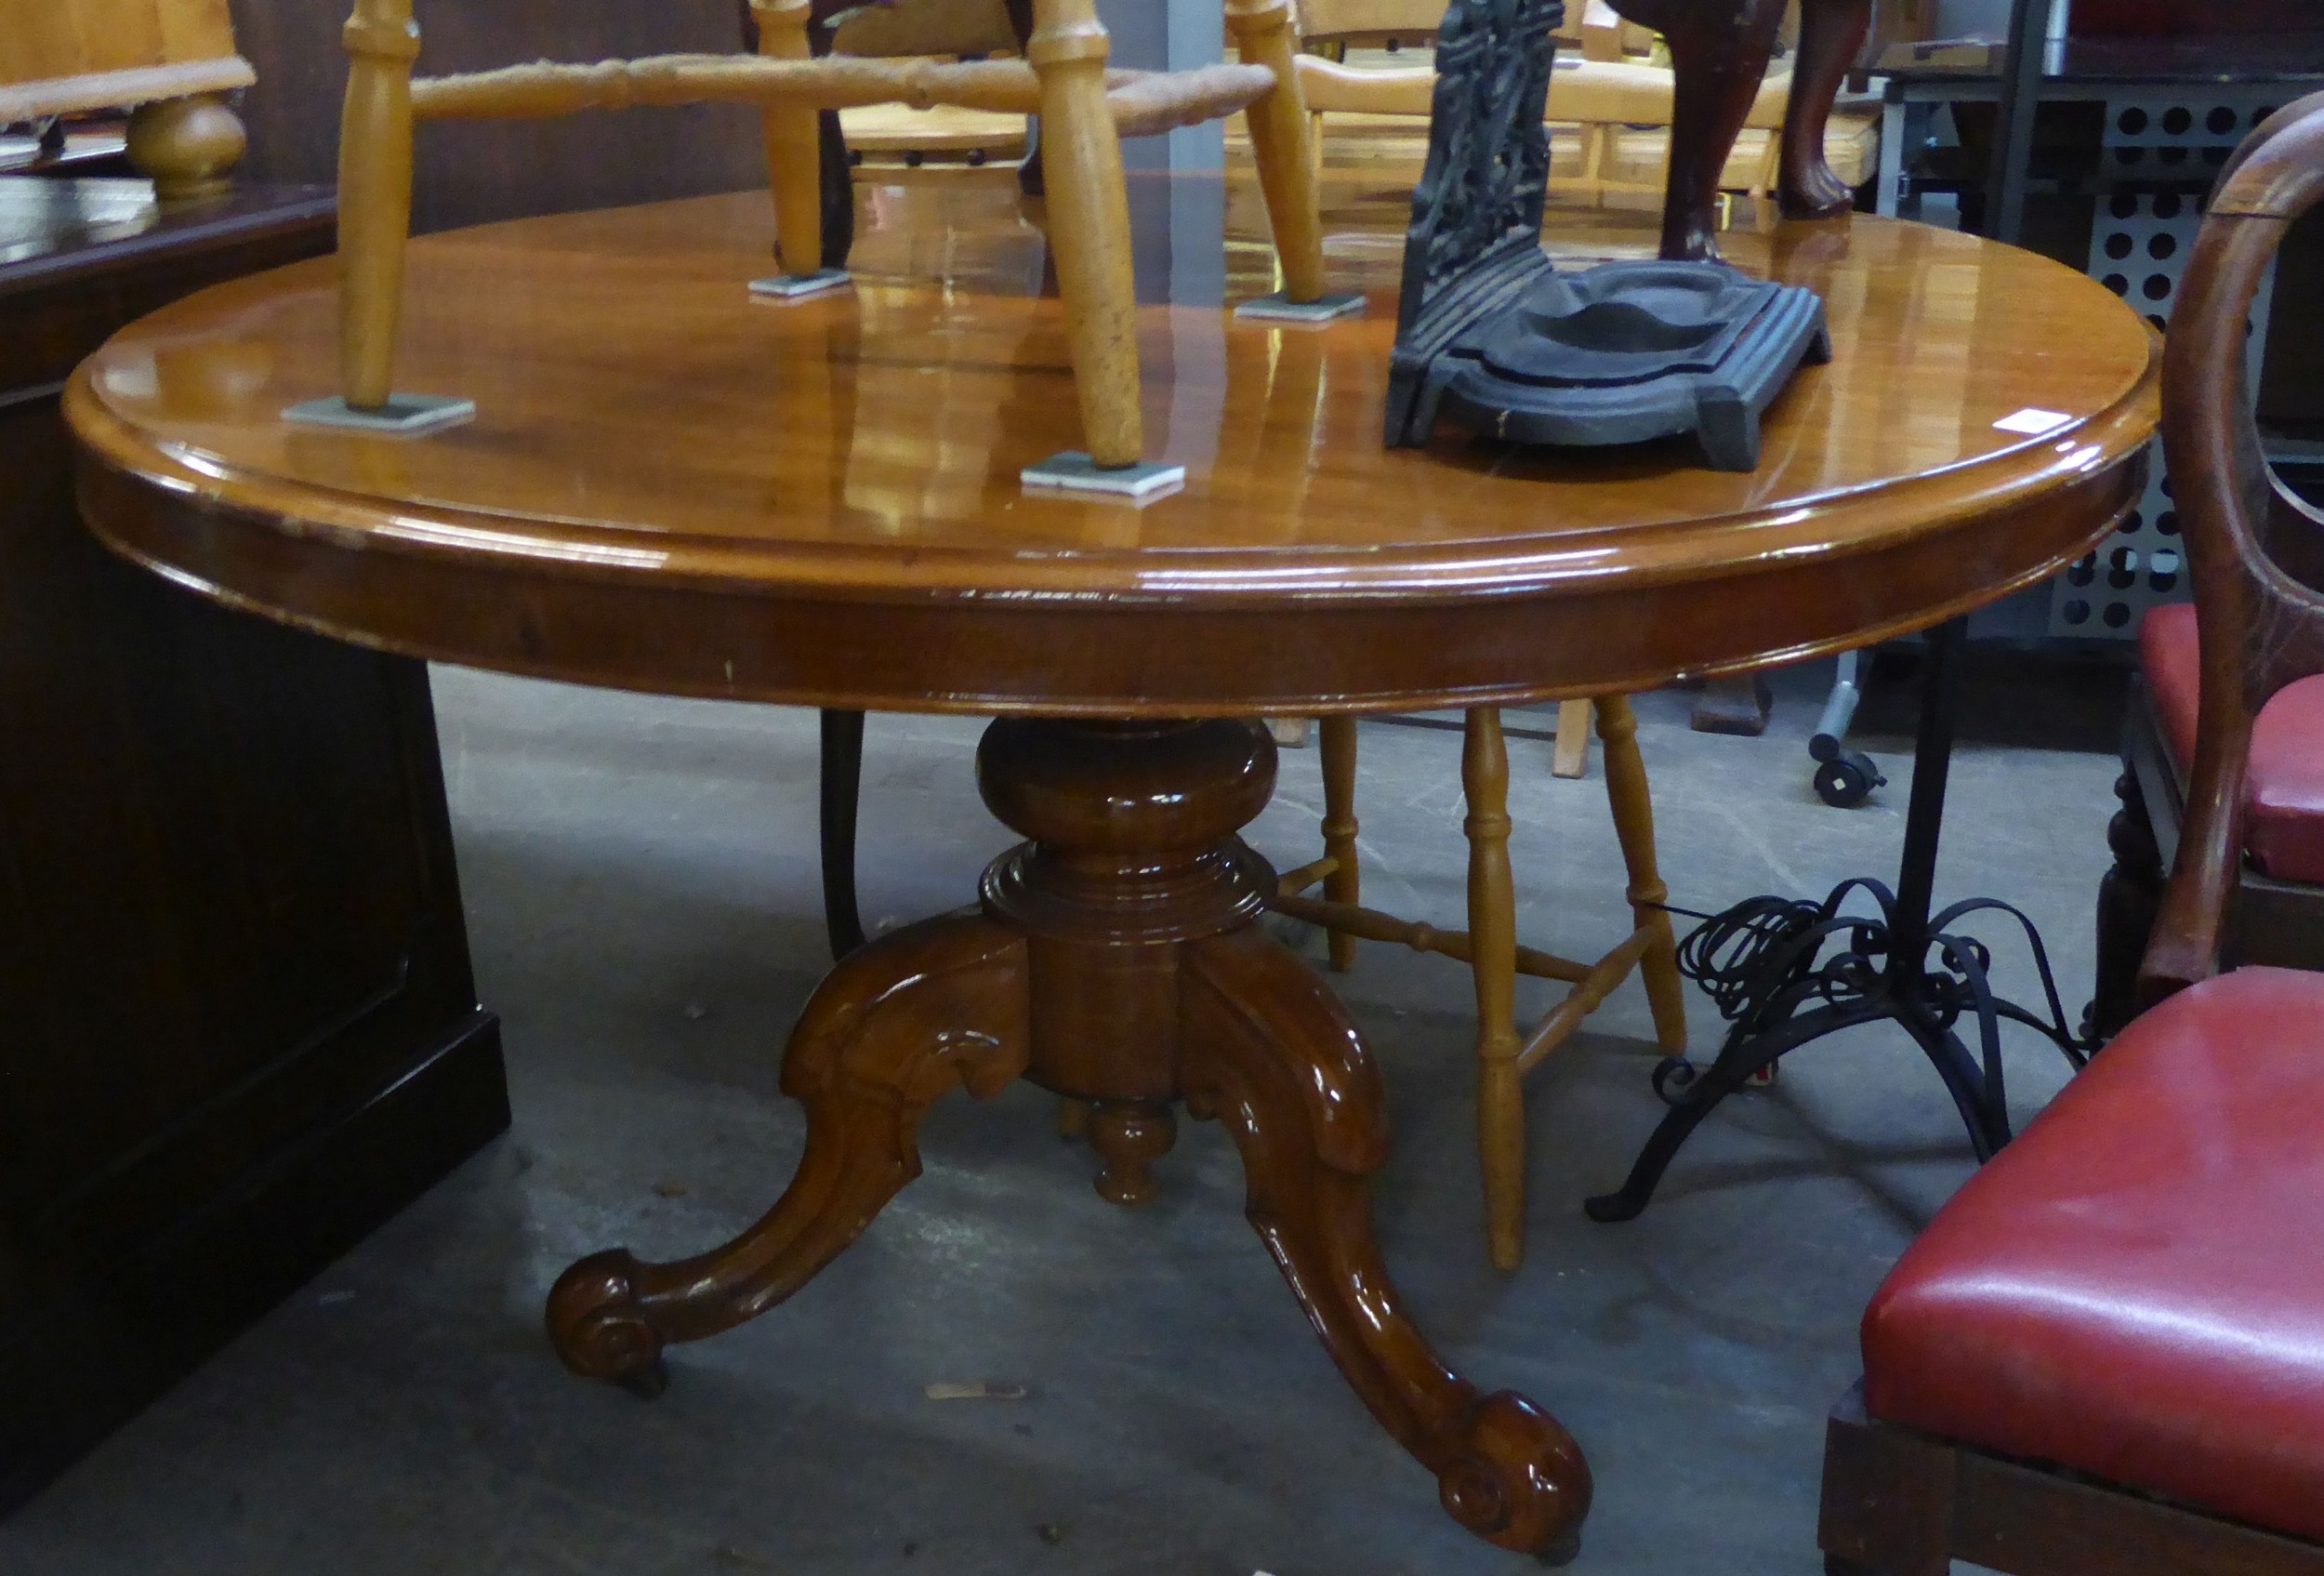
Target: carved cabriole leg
column 794, row 143
column 1284, row 145
column 1088, row 225
column 1831, row 32
column 1345, row 883
column 1493, row 966
column 1117, row 961
column 1271, row 1054
column 1627, row 792
column 375, row 194
column 1719, row 55
column 937, row 1006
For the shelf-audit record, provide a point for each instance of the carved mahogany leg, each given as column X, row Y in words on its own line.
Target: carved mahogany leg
column 936, row 1006
column 1831, row 32
column 1270, row 1052
column 1719, row 54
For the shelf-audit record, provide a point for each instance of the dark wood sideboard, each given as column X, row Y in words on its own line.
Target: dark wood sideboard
column 238, row 1027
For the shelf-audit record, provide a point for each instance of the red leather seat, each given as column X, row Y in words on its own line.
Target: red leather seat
column 2136, row 1287
column 2286, row 835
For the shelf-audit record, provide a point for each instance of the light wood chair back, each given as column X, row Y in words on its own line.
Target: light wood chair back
column 2255, row 551
column 1085, row 111
column 1605, row 99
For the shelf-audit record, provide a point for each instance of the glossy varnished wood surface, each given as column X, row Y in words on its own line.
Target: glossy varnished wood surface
column 671, row 487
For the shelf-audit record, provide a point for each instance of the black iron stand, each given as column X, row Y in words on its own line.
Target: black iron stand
column 1765, row 966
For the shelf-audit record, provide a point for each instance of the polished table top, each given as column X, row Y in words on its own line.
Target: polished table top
column 671, row 487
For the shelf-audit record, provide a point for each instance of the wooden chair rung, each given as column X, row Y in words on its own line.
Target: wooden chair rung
column 1370, row 924
column 1292, row 882
column 1588, row 995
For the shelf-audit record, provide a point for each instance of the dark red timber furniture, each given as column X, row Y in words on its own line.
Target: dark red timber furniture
column 2107, row 1353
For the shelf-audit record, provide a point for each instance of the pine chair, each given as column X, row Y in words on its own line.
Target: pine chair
column 1489, row 945
column 1085, row 111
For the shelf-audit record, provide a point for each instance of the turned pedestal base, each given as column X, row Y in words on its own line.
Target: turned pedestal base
column 1114, row 960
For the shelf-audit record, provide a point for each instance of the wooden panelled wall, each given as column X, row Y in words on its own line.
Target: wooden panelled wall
column 502, row 169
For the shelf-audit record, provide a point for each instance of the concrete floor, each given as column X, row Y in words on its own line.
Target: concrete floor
column 641, row 891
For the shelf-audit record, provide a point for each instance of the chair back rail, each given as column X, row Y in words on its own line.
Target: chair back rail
column 2254, row 551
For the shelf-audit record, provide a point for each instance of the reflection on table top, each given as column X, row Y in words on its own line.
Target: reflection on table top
column 639, row 411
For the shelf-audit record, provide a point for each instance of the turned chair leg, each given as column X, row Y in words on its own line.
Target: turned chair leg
column 375, row 195
column 1089, row 213
column 1284, row 145
column 794, row 136
column 1345, row 883
column 1627, row 793
column 1493, row 966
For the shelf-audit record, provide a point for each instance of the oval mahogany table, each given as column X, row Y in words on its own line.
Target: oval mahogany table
column 670, row 487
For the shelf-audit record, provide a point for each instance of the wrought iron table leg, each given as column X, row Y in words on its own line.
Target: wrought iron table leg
column 842, row 783
column 1764, row 960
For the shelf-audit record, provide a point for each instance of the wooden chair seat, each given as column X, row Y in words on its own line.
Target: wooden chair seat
column 2284, row 792
column 2134, row 1288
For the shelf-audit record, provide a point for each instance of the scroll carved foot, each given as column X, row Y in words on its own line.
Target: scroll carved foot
column 935, row 1006
column 1270, row 1052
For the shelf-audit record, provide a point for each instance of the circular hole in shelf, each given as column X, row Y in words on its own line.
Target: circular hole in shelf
column 2162, row 244
column 2118, row 284
column 2221, row 119
column 2168, row 204
column 2154, row 321
column 2130, row 522
column 2083, row 570
column 2156, row 286
column 2131, row 121
column 2123, row 204
column 2118, row 244
column 2176, row 120
column 2167, row 523
column 2075, row 612
column 2116, row 615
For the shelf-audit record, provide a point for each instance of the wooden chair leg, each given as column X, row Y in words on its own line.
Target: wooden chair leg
column 1493, row 964
column 1572, row 758
column 843, row 782
column 1626, row 790
column 1089, row 215
column 1346, row 881
column 1888, row 1498
column 2129, row 897
column 794, row 143
column 375, row 195
column 1283, row 145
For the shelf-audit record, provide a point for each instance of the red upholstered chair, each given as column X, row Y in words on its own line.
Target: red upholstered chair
column 2107, row 1353
column 2255, row 805
column 2257, row 556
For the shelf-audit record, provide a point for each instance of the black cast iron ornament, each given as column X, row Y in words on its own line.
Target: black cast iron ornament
column 1491, row 336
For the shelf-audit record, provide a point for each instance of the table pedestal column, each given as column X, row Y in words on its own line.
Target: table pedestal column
column 1114, row 960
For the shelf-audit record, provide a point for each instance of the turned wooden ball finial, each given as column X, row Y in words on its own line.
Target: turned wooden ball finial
column 188, row 147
